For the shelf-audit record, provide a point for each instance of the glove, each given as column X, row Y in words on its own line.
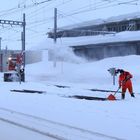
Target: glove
column 128, row 77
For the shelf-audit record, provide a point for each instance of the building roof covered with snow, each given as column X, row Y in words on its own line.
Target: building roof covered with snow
column 128, row 22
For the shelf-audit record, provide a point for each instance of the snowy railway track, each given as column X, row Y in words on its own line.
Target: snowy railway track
column 48, row 128
column 32, row 129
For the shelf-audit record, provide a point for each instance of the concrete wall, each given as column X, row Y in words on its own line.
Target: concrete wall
column 104, row 50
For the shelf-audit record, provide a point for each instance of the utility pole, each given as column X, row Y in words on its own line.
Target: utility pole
column 23, row 45
column 18, row 23
column 55, row 25
column 1, row 68
column 55, row 31
column 0, row 43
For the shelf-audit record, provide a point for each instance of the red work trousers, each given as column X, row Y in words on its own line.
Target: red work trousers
column 127, row 85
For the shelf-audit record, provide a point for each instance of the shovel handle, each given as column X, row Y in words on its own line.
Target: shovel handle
column 117, row 90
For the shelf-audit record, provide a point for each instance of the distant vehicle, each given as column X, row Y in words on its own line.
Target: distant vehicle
column 14, row 60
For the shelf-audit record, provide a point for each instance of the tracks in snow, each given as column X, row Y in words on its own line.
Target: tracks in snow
column 50, row 128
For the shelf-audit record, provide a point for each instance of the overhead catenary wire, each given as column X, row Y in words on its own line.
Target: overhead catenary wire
column 129, row 2
column 19, row 8
column 85, row 8
column 48, row 6
column 97, row 7
column 100, row 5
column 36, row 9
column 8, row 28
column 59, row 17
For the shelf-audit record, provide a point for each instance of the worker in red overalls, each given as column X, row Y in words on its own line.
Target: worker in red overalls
column 125, row 82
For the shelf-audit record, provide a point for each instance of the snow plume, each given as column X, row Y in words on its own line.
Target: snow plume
column 64, row 54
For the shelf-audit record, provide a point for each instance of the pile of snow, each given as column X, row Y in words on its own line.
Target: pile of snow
column 89, row 73
column 105, row 119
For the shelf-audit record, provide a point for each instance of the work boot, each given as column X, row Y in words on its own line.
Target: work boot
column 132, row 95
column 123, row 96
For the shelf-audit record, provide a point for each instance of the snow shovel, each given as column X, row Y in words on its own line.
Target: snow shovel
column 112, row 96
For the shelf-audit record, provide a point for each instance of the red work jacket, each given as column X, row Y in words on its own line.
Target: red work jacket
column 124, row 79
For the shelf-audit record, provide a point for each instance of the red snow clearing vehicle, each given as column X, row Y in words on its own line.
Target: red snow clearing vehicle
column 15, row 68
column 13, row 60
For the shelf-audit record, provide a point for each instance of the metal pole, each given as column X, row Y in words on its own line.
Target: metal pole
column 55, row 31
column 113, row 79
column 23, row 45
column 55, row 25
column 1, row 65
column 0, row 42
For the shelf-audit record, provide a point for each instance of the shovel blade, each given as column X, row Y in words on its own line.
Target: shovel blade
column 111, row 97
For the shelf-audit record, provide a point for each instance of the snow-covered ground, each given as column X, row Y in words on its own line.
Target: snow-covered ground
column 55, row 115
column 52, row 114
